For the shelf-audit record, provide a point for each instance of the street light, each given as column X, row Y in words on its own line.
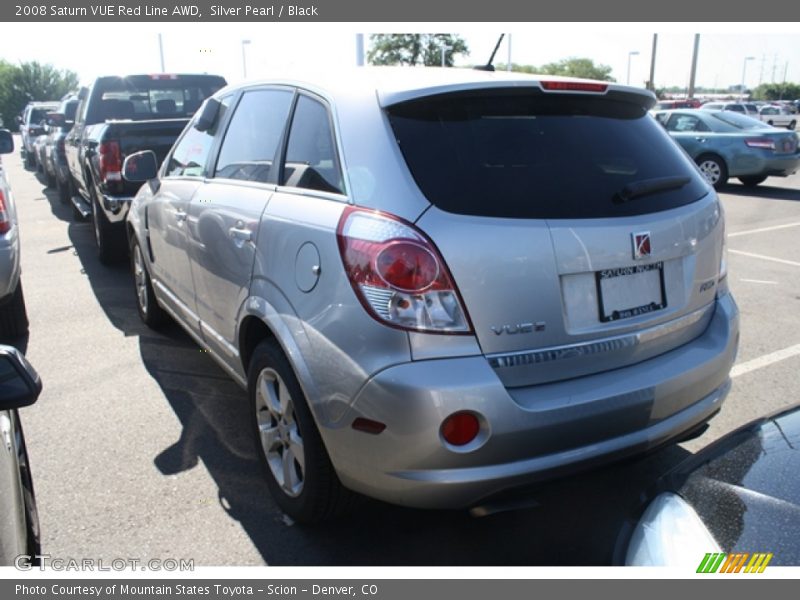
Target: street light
column 444, row 49
column 244, row 58
column 631, row 53
column 744, row 70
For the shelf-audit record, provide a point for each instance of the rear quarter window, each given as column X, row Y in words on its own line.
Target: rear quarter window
column 526, row 155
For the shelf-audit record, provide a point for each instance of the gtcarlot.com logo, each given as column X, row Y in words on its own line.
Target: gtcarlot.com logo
column 741, row 562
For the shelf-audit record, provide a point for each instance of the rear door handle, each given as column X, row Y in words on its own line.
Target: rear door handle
column 700, row 139
column 241, row 235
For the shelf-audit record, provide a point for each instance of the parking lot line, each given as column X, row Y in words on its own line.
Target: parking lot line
column 759, row 281
column 765, row 360
column 763, row 229
column 762, row 257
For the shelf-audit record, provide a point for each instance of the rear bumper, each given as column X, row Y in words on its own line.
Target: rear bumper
column 116, row 207
column 527, row 434
column 779, row 166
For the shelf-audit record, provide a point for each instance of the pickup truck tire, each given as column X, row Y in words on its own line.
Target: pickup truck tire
column 792, row 125
column 150, row 312
column 296, row 465
column 13, row 316
column 63, row 190
column 109, row 237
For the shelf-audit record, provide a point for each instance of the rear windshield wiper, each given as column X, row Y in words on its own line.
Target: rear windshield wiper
column 649, row 186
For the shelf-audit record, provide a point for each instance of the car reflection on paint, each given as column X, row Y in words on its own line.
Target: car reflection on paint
column 741, row 494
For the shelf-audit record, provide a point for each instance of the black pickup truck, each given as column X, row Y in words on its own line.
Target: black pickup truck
column 118, row 116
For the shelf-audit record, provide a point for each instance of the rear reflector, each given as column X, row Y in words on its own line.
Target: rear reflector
column 368, row 426
column 460, row 428
column 573, row 86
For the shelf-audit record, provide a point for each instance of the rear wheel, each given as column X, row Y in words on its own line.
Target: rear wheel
column 299, row 472
column 62, row 187
column 713, row 169
column 150, row 312
column 109, row 237
column 792, row 125
column 13, row 315
column 752, row 181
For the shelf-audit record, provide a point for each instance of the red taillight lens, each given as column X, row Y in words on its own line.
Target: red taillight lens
column 573, row 86
column 5, row 218
column 460, row 428
column 766, row 143
column 110, row 161
column 398, row 275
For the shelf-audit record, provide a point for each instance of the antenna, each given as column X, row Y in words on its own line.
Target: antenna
column 489, row 66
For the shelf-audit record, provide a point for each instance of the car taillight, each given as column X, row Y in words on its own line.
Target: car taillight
column 573, row 86
column 398, row 275
column 5, row 218
column 110, row 160
column 766, row 143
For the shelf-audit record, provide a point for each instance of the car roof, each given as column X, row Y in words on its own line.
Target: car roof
column 393, row 85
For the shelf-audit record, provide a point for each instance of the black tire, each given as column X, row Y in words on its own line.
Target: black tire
column 313, row 492
column 29, row 161
column 13, row 315
column 792, row 125
column 149, row 310
column 63, row 190
column 714, row 169
column 109, row 237
column 753, row 180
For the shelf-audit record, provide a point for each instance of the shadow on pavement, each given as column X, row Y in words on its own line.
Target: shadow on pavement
column 764, row 190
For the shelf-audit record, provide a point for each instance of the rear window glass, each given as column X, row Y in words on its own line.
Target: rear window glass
column 38, row 115
column 738, row 121
column 143, row 97
column 527, row 155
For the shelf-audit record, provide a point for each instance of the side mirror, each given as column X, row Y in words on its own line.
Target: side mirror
column 208, row 115
column 19, row 383
column 6, row 142
column 140, row 166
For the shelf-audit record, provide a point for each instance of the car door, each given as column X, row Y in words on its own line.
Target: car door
column 226, row 210
column 690, row 132
column 166, row 215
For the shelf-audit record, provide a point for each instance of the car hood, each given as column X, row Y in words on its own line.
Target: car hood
column 746, row 488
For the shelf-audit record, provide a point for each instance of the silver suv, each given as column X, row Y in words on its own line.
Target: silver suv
column 438, row 284
column 13, row 316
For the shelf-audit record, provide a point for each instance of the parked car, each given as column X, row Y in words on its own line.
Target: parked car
column 55, row 160
column 671, row 104
column 438, row 284
column 116, row 117
column 739, row 495
column 748, row 108
column 725, row 144
column 19, row 528
column 31, row 126
column 13, row 316
column 777, row 116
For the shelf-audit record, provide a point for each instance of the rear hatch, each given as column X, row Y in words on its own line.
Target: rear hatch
column 579, row 235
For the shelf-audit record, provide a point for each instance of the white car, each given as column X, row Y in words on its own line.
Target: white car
column 13, row 316
column 777, row 116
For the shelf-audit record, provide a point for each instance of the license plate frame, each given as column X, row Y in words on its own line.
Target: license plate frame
column 644, row 274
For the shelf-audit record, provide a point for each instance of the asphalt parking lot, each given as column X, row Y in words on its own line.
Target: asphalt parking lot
column 140, row 445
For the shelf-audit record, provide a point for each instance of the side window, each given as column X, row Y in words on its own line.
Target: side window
column 686, row 123
column 253, row 135
column 190, row 155
column 311, row 160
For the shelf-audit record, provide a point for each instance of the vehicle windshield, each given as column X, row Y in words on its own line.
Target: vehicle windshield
column 738, row 121
column 522, row 154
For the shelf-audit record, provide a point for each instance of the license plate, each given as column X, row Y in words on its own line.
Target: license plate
column 630, row 291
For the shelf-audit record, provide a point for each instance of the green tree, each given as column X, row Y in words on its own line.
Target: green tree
column 415, row 49
column 776, row 91
column 568, row 67
column 30, row 81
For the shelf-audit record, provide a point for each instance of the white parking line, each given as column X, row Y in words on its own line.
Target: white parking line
column 769, row 258
column 763, row 229
column 759, row 281
column 765, row 361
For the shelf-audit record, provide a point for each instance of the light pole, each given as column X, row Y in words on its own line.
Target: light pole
column 244, row 58
column 631, row 53
column 744, row 70
column 444, row 49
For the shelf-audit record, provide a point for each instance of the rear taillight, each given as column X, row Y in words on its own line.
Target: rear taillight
column 110, row 160
column 766, row 143
column 5, row 217
column 398, row 275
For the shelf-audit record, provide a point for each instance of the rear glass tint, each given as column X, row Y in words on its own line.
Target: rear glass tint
column 738, row 121
column 520, row 154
